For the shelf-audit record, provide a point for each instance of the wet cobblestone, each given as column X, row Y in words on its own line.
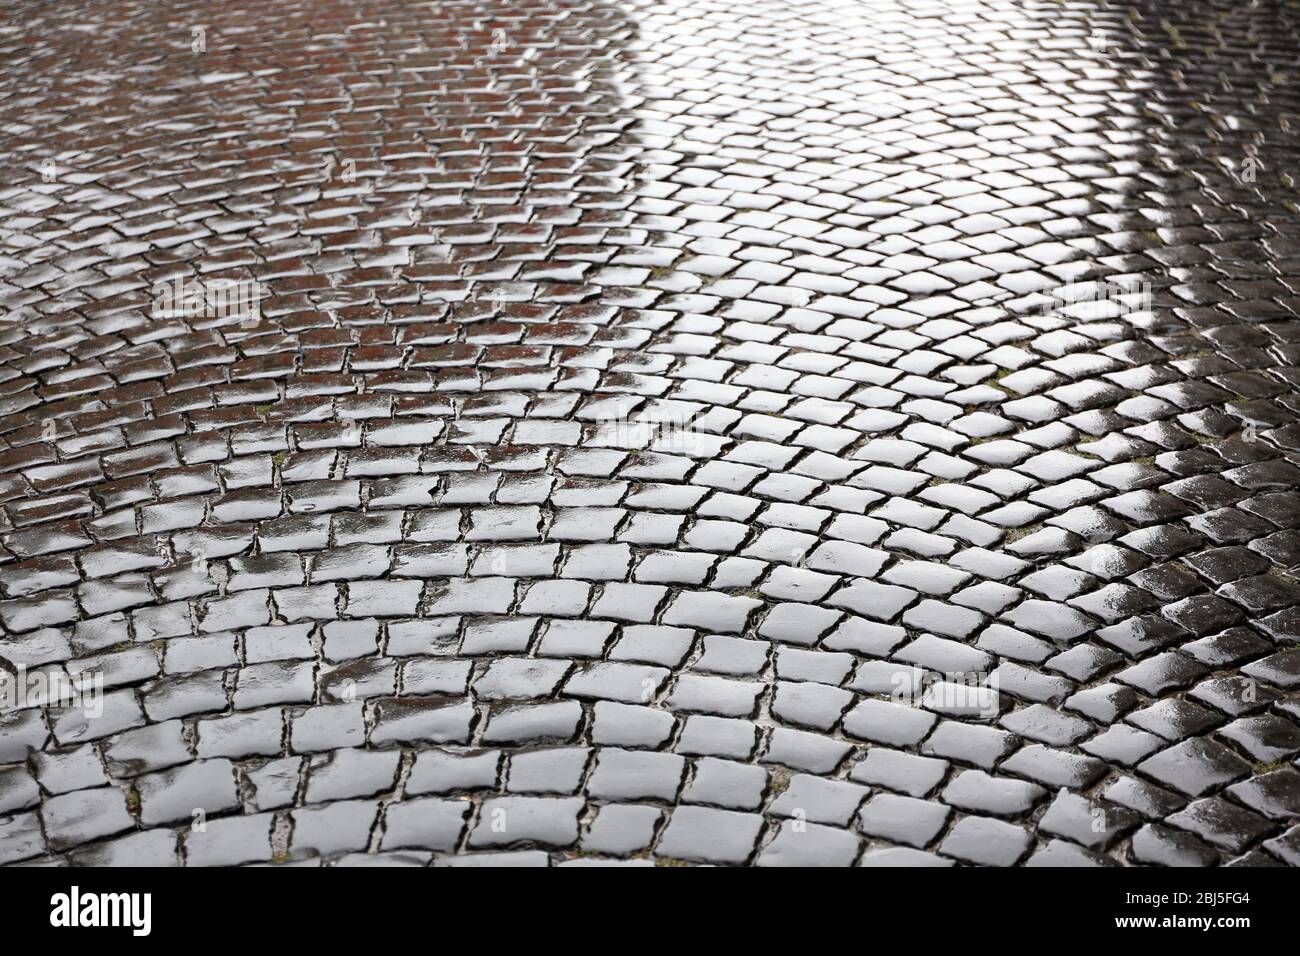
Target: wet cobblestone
column 779, row 433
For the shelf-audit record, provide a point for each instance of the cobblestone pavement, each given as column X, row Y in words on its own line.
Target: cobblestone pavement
column 748, row 432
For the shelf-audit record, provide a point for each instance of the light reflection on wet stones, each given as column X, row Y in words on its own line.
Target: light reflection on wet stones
column 644, row 451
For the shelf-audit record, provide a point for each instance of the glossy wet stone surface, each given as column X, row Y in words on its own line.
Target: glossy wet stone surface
column 669, row 432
